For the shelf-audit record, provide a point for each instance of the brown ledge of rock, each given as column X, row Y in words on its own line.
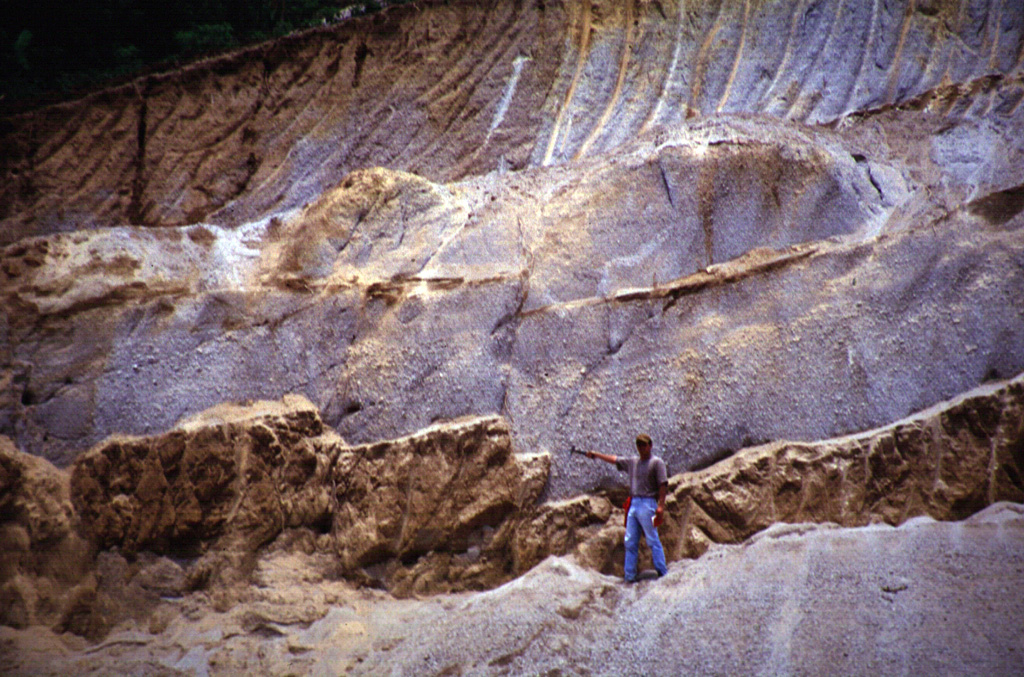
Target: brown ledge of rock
column 139, row 518
column 42, row 556
column 436, row 511
column 447, row 509
column 232, row 476
column 433, row 512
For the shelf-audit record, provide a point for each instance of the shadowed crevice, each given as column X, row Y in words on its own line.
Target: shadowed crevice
column 1000, row 207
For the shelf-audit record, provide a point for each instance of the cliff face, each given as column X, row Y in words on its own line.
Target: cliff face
column 582, row 303
column 333, row 308
column 451, row 90
column 452, row 508
column 260, row 517
column 638, row 272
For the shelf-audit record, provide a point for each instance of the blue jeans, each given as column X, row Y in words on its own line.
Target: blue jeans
column 641, row 512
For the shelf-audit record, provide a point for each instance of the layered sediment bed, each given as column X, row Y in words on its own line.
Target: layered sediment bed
column 682, row 264
column 455, row 89
column 800, row 597
column 581, row 303
column 294, row 336
column 451, row 508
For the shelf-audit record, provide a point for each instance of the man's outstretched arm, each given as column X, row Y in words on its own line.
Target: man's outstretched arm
column 607, row 458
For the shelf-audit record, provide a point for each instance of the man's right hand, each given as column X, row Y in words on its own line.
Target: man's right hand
column 607, row 458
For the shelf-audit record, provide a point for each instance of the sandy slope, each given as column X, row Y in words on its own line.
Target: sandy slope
column 926, row 597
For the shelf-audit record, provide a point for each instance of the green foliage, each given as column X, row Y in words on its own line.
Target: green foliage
column 21, row 45
column 54, row 47
column 128, row 59
column 205, row 38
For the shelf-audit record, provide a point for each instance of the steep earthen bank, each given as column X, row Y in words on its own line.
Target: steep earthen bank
column 44, row 557
column 392, row 301
column 454, row 89
column 427, row 513
column 439, row 246
column 616, row 283
column 451, row 508
column 807, row 599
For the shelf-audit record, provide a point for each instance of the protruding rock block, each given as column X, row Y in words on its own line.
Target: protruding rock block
column 360, row 226
column 438, row 510
column 432, row 512
column 559, row 527
column 234, row 475
column 947, row 462
column 450, row 508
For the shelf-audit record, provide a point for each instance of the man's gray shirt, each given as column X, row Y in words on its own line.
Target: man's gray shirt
column 644, row 476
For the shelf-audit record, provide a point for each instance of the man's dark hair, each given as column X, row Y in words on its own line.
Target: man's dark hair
column 643, row 439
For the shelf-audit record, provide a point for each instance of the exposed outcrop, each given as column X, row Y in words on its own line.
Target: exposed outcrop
column 682, row 274
column 437, row 511
column 433, row 249
column 52, row 572
column 230, row 480
column 269, row 127
column 801, row 598
column 946, row 463
column 454, row 89
column 137, row 519
column 392, row 302
column 429, row 513
column 450, row 508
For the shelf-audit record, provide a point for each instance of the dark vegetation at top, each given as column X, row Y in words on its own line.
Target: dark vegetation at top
column 52, row 50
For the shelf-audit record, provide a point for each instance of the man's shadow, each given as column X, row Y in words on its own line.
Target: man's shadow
column 647, row 575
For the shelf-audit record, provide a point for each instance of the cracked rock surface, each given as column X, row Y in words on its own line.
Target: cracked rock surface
column 672, row 251
column 544, row 296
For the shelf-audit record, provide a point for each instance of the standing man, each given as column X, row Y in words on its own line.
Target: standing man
column 648, row 484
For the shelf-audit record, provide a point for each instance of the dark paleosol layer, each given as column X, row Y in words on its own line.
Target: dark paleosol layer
column 426, row 252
